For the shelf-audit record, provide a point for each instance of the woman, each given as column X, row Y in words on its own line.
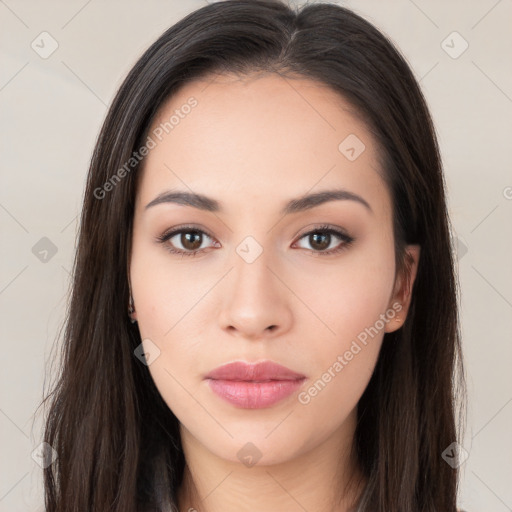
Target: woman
column 306, row 356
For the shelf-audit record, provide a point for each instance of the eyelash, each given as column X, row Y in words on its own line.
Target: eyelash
column 324, row 229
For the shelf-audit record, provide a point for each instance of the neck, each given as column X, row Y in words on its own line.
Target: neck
column 314, row 480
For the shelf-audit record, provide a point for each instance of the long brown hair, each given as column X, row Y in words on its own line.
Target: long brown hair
column 117, row 441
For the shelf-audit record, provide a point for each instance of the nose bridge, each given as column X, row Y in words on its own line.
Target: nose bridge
column 252, row 261
column 254, row 299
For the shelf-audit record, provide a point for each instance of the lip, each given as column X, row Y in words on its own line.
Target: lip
column 261, row 371
column 254, row 385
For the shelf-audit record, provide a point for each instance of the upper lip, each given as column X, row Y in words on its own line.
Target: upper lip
column 256, row 372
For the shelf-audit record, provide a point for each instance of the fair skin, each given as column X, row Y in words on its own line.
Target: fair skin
column 254, row 144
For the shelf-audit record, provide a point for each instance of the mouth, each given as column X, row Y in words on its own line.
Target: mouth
column 254, row 385
column 255, row 372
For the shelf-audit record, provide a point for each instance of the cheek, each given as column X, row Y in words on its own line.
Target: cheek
column 351, row 302
column 354, row 310
column 169, row 305
column 349, row 296
column 332, row 395
column 164, row 292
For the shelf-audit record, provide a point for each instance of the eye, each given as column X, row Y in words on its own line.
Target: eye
column 321, row 240
column 188, row 240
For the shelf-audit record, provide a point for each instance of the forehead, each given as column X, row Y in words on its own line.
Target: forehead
column 260, row 135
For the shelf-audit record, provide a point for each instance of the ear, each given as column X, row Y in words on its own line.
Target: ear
column 131, row 307
column 131, row 311
column 402, row 293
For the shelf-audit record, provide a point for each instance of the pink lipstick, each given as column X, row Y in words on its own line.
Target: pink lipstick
column 254, row 385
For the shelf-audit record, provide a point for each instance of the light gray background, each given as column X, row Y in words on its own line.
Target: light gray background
column 52, row 110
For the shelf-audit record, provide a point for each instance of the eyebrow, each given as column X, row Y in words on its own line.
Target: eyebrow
column 300, row 204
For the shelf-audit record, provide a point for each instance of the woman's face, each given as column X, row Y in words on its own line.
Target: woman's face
column 270, row 282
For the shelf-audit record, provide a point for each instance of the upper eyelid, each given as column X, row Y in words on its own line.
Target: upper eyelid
column 170, row 233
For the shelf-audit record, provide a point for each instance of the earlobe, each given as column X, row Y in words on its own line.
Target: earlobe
column 403, row 288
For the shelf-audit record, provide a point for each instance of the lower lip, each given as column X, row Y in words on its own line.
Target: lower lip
column 254, row 395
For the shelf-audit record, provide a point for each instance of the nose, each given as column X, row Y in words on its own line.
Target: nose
column 256, row 300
